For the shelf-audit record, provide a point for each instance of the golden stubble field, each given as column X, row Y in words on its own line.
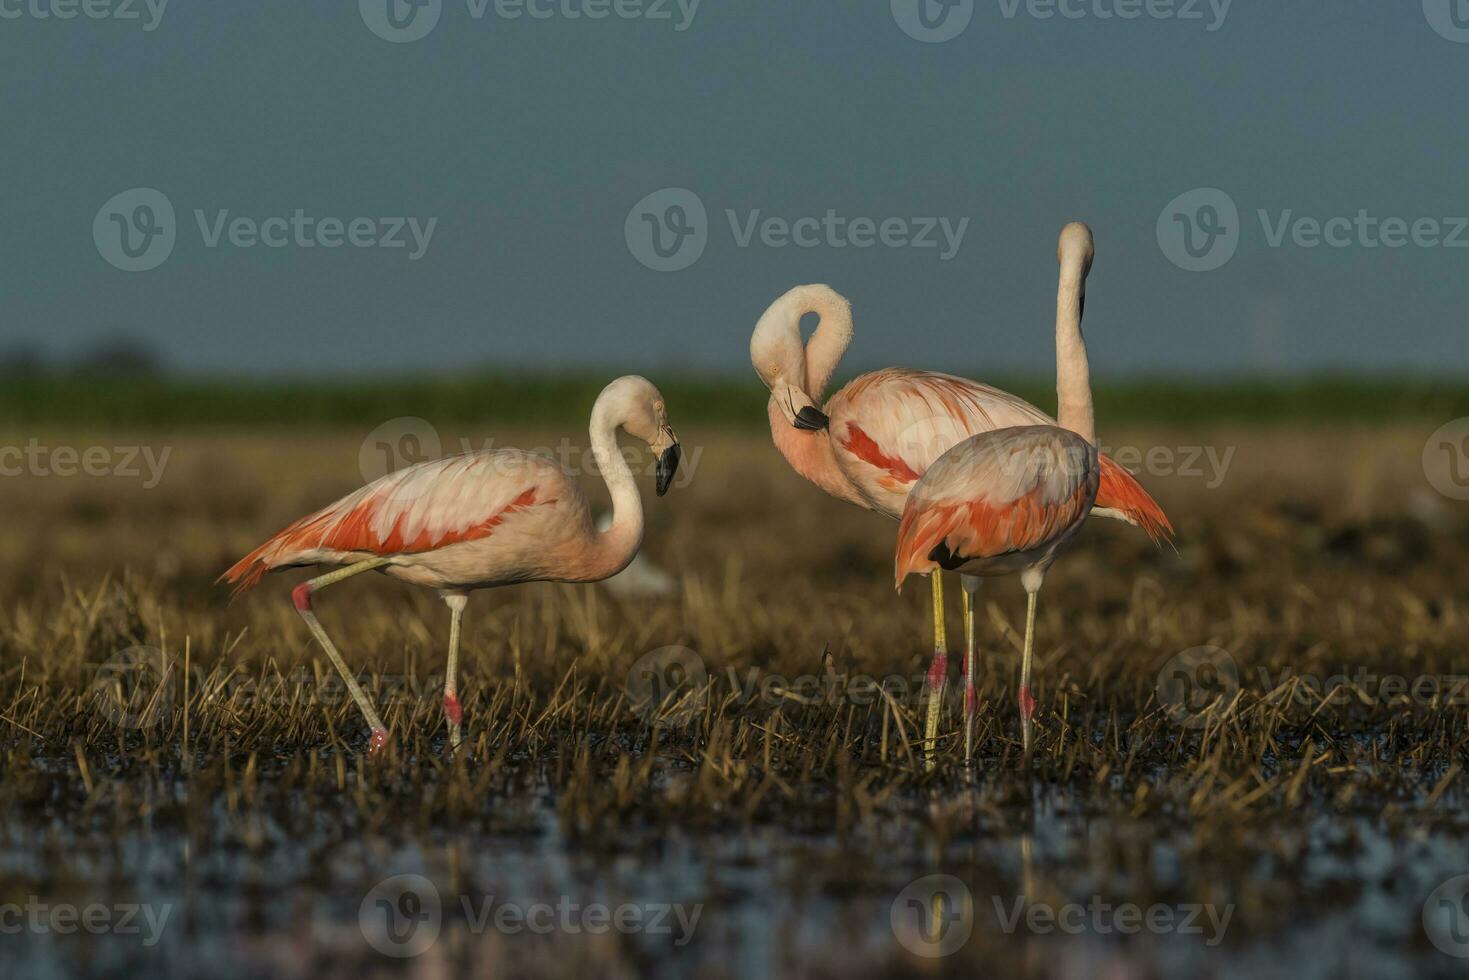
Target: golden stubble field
column 1318, row 567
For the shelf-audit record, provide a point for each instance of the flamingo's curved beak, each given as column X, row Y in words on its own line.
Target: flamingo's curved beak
column 811, row 419
column 667, row 467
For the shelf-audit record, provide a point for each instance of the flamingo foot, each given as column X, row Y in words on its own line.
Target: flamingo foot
column 378, row 740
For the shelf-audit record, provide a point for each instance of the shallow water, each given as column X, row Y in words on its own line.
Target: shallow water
column 1033, row 889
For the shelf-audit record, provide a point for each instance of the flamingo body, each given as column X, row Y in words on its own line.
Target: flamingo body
column 473, row 521
column 476, row 520
column 884, row 429
column 1000, row 502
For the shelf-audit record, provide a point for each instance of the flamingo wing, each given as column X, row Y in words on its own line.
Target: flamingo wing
column 888, row 427
column 998, row 493
column 413, row 510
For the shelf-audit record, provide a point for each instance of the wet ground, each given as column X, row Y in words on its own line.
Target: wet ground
column 1249, row 756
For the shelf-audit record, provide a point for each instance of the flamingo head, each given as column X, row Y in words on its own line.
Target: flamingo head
column 1076, row 248
column 779, row 355
column 645, row 416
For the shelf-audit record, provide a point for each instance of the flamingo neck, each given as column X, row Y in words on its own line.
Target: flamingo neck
column 810, row 454
column 1073, row 373
column 827, row 345
column 618, row 544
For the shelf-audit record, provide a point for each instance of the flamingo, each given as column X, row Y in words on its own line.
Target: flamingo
column 997, row 503
column 880, row 433
column 474, row 521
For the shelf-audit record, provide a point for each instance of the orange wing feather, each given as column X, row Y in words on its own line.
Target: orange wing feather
column 423, row 508
column 1121, row 492
column 982, row 529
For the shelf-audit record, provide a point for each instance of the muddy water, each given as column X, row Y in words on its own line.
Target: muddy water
column 1037, row 888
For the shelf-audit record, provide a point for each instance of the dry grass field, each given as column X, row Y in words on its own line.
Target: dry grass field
column 1282, row 803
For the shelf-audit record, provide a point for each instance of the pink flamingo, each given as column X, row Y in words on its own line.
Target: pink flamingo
column 881, row 432
column 1000, row 502
column 475, row 521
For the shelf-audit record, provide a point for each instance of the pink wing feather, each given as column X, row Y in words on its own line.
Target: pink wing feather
column 413, row 510
column 1002, row 492
column 888, row 427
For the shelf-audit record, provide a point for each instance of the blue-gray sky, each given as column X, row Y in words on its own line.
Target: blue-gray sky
column 531, row 139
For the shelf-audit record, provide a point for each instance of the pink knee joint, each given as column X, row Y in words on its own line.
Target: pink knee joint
column 1027, row 703
column 971, row 700
column 452, row 710
column 938, row 671
column 301, row 596
column 379, row 739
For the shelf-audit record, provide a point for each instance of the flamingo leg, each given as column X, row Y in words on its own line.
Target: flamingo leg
column 452, row 711
column 971, row 700
column 301, row 596
column 1027, row 702
column 938, row 671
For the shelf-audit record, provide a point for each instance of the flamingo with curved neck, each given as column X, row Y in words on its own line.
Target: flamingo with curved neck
column 476, row 521
column 880, row 433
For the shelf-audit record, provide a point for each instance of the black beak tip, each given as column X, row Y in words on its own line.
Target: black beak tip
column 811, row 420
column 667, row 467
